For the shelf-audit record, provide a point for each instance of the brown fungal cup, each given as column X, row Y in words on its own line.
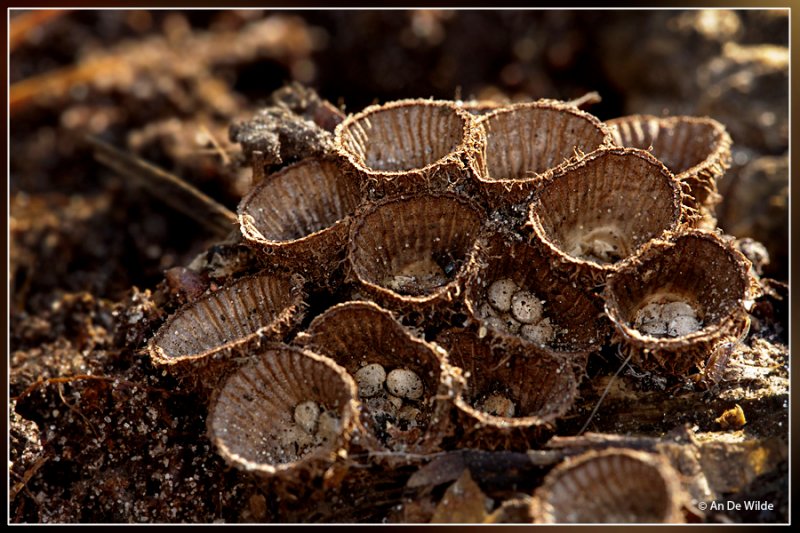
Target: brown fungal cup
column 591, row 215
column 287, row 413
column 612, row 486
column 200, row 341
column 516, row 297
column 696, row 149
column 511, row 397
column 675, row 302
column 526, row 141
column 361, row 336
column 410, row 146
column 301, row 216
column 411, row 253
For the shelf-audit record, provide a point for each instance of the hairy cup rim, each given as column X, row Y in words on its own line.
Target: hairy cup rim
column 469, row 136
column 254, row 235
column 533, row 219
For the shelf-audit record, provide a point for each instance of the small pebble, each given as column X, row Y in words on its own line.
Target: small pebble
column 676, row 309
column 422, row 274
column 293, row 437
column 497, row 405
column 381, row 405
column 649, row 321
column 410, row 414
column 682, row 325
column 602, row 250
column 673, row 319
column 395, row 401
column 496, row 323
column 500, row 294
column 328, row 426
column 370, row 379
column 486, row 311
column 541, row 333
column 648, row 313
column 404, row 383
column 653, row 328
column 306, row 415
column 526, row 307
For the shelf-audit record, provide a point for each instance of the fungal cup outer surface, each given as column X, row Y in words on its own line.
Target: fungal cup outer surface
column 611, row 486
column 696, row 149
column 574, row 313
column 521, row 148
column 539, row 386
column 300, row 217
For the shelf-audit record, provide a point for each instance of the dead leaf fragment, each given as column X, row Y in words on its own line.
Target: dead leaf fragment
column 463, row 503
column 732, row 418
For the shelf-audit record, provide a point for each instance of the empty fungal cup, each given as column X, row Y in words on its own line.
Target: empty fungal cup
column 527, row 141
column 288, row 412
column 696, row 149
column 301, row 216
column 613, row 486
column 403, row 382
column 409, row 146
column 591, row 215
column 411, row 253
column 676, row 301
column 200, row 340
column 510, row 396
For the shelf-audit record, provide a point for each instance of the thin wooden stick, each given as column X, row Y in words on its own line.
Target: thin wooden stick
column 21, row 25
column 168, row 188
column 605, row 392
column 225, row 159
column 589, row 98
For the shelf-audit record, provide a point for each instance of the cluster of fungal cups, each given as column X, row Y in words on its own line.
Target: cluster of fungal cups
column 473, row 257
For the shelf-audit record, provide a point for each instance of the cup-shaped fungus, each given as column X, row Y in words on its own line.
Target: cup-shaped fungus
column 404, row 384
column 613, row 486
column 288, row 412
column 201, row 340
column 510, row 396
column 301, row 216
column 678, row 299
column 411, row 146
column 411, row 253
column 527, row 141
column 696, row 149
column 516, row 296
column 593, row 214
